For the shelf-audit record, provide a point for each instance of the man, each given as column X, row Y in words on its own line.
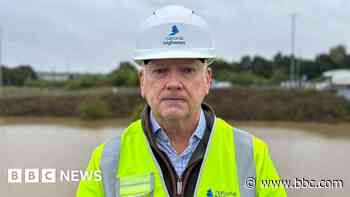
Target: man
column 179, row 147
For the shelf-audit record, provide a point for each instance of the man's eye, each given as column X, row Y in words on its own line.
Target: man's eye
column 188, row 70
column 159, row 70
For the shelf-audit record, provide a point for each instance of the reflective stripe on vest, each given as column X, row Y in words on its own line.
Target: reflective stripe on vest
column 244, row 163
column 109, row 167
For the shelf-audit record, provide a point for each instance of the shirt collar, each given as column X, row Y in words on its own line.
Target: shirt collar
column 199, row 132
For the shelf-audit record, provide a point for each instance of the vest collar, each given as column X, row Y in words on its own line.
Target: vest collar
column 147, row 125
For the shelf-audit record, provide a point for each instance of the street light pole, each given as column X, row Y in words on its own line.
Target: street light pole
column 1, row 75
column 292, row 60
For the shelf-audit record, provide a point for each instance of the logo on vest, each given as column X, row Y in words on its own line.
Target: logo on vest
column 209, row 193
column 217, row 193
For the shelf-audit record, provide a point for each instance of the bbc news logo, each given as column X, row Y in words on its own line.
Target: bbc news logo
column 51, row 175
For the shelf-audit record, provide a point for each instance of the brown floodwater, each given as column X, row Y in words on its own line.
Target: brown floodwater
column 300, row 150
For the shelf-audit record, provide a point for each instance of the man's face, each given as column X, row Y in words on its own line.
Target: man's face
column 175, row 88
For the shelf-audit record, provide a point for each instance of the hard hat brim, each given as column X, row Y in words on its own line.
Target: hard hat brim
column 141, row 55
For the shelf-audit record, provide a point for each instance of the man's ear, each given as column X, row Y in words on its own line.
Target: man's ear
column 141, row 79
column 209, row 78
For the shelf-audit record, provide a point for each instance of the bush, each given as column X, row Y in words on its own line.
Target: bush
column 125, row 75
column 94, row 109
column 84, row 82
column 246, row 79
column 44, row 83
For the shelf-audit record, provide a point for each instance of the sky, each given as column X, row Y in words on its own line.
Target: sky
column 95, row 35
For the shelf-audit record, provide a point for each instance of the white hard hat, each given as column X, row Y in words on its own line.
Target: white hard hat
column 174, row 32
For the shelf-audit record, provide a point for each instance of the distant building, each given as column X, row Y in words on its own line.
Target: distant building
column 56, row 76
column 221, row 84
column 339, row 79
column 289, row 84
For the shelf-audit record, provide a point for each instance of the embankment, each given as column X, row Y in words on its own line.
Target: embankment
column 234, row 104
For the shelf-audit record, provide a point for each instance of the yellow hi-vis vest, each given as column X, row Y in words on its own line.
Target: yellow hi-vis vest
column 234, row 163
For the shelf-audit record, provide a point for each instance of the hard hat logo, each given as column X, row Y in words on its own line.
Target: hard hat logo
column 174, row 30
column 171, row 39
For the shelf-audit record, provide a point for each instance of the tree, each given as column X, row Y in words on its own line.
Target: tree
column 246, row 63
column 347, row 62
column 338, row 55
column 324, row 63
column 262, row 67
column 309, row 69
column 125, row 75
column 18, row 75
column 281, row 61
column 220, row 69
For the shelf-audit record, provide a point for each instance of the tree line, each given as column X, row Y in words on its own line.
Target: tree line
column 249, row 70
column 258, row 70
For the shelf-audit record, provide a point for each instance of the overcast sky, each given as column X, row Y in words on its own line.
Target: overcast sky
column 94, row 35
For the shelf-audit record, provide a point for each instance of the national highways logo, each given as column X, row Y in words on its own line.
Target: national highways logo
column 174, row 30
column 216, row 193
column 172, row 38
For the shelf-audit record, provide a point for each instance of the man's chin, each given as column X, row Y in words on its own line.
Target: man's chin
column 173, row 114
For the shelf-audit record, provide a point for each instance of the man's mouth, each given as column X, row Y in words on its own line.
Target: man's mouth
column 173, row 99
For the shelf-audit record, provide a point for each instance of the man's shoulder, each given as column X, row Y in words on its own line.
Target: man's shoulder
column 129, row 130
column 134, row 125
column 238, row 131
column 132, row 129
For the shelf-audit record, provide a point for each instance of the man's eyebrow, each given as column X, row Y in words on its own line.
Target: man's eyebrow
column 156, row 66
column 193, row 65
column 150, row 65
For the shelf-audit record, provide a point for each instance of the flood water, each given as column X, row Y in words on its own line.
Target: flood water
column 300, row 150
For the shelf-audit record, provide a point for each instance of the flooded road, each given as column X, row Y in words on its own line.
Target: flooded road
column 300, row 150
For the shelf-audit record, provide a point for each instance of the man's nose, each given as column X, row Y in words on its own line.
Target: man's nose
column 174, row 81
